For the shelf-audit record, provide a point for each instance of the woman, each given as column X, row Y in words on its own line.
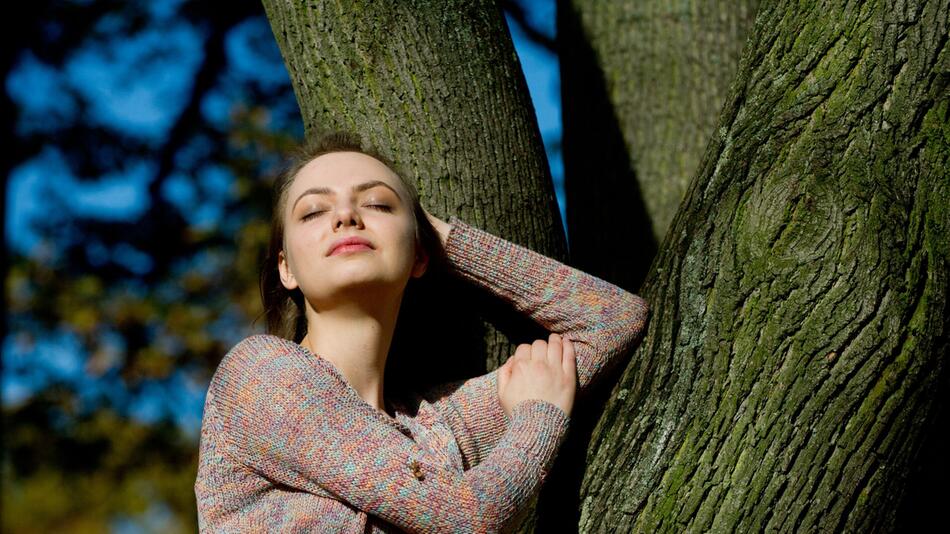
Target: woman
column 298, row 434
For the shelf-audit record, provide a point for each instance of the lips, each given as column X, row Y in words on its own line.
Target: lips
column 348, row 241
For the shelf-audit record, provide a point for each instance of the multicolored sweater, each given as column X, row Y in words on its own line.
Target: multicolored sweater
column 288, row 445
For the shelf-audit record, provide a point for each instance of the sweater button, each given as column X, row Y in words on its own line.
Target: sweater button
column 416, row 470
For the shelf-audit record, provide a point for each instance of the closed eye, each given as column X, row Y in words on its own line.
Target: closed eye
column 380, row 207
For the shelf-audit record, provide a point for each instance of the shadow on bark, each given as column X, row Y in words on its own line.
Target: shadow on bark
column 610, row 237
column 610, row 231
column 927, row 488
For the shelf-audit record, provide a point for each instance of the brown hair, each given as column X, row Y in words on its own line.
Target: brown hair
column 283, row 308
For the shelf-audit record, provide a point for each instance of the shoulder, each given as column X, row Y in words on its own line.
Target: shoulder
column 258, row 358
column 260, row 347
column 262, row 374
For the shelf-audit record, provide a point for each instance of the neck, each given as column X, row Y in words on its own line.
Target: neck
column 355, row 337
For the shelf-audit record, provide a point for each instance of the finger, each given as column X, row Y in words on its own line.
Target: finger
column 523, row 352
column 555, row 348
column 539, row 350
column 569, row 360
column 504, row 373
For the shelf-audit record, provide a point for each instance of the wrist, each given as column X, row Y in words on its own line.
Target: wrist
column 443, row 228
column 447, row 228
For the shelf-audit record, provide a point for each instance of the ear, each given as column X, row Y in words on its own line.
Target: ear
column 422, row 262
column 286, row 277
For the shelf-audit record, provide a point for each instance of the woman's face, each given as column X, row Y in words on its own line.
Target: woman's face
column 340, row 195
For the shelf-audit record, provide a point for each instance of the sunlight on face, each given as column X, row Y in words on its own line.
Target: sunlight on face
column 347, row 194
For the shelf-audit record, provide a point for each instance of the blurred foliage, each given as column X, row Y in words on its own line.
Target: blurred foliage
column 81, row 472
column 149, row 302
column 78, row 454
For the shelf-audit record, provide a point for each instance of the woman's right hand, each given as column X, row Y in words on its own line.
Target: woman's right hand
column 543, row 370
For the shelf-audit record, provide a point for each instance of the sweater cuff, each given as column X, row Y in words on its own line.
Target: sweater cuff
column 538, row 428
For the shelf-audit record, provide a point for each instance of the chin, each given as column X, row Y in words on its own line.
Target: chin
column 363, row 278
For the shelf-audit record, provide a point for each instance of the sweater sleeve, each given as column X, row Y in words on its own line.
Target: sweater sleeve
column 604, row 321
column 293, row 423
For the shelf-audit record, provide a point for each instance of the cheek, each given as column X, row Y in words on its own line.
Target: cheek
column 299, row 252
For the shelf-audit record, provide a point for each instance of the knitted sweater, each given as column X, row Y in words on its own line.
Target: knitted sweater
column 288, row 445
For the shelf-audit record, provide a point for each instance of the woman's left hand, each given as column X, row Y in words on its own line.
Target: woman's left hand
column 441, row 226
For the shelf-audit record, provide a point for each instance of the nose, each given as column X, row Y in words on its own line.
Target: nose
column 344, row 216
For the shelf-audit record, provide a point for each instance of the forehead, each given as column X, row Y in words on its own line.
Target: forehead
column 341, row 170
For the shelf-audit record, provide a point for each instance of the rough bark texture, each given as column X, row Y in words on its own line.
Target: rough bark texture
column 795, row 355
column 437, row 87
column 642, row 87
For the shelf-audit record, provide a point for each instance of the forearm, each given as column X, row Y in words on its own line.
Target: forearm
column 603, row 320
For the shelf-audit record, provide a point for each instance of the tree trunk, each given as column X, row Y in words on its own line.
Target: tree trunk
column 794, row 358
column 437, row 87
column 642, row 85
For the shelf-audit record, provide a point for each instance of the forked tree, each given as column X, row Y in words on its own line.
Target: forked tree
column 794, row 359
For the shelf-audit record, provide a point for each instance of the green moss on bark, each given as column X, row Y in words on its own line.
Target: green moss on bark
column 799, row 302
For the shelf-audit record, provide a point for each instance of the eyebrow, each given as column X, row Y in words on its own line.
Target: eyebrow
column 356, row 189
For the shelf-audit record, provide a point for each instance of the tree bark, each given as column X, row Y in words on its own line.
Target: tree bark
column 794, row 359
column 642, row 86
column 437, row 87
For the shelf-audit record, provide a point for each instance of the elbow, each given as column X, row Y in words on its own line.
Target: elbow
column 620, row 326
column 638, row 313
column 638, row 306
column 626, row 328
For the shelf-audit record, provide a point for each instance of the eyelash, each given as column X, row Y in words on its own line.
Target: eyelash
column 381, row 207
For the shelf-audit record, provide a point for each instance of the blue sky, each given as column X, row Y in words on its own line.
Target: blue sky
column 541, row 71
column 143, row 104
